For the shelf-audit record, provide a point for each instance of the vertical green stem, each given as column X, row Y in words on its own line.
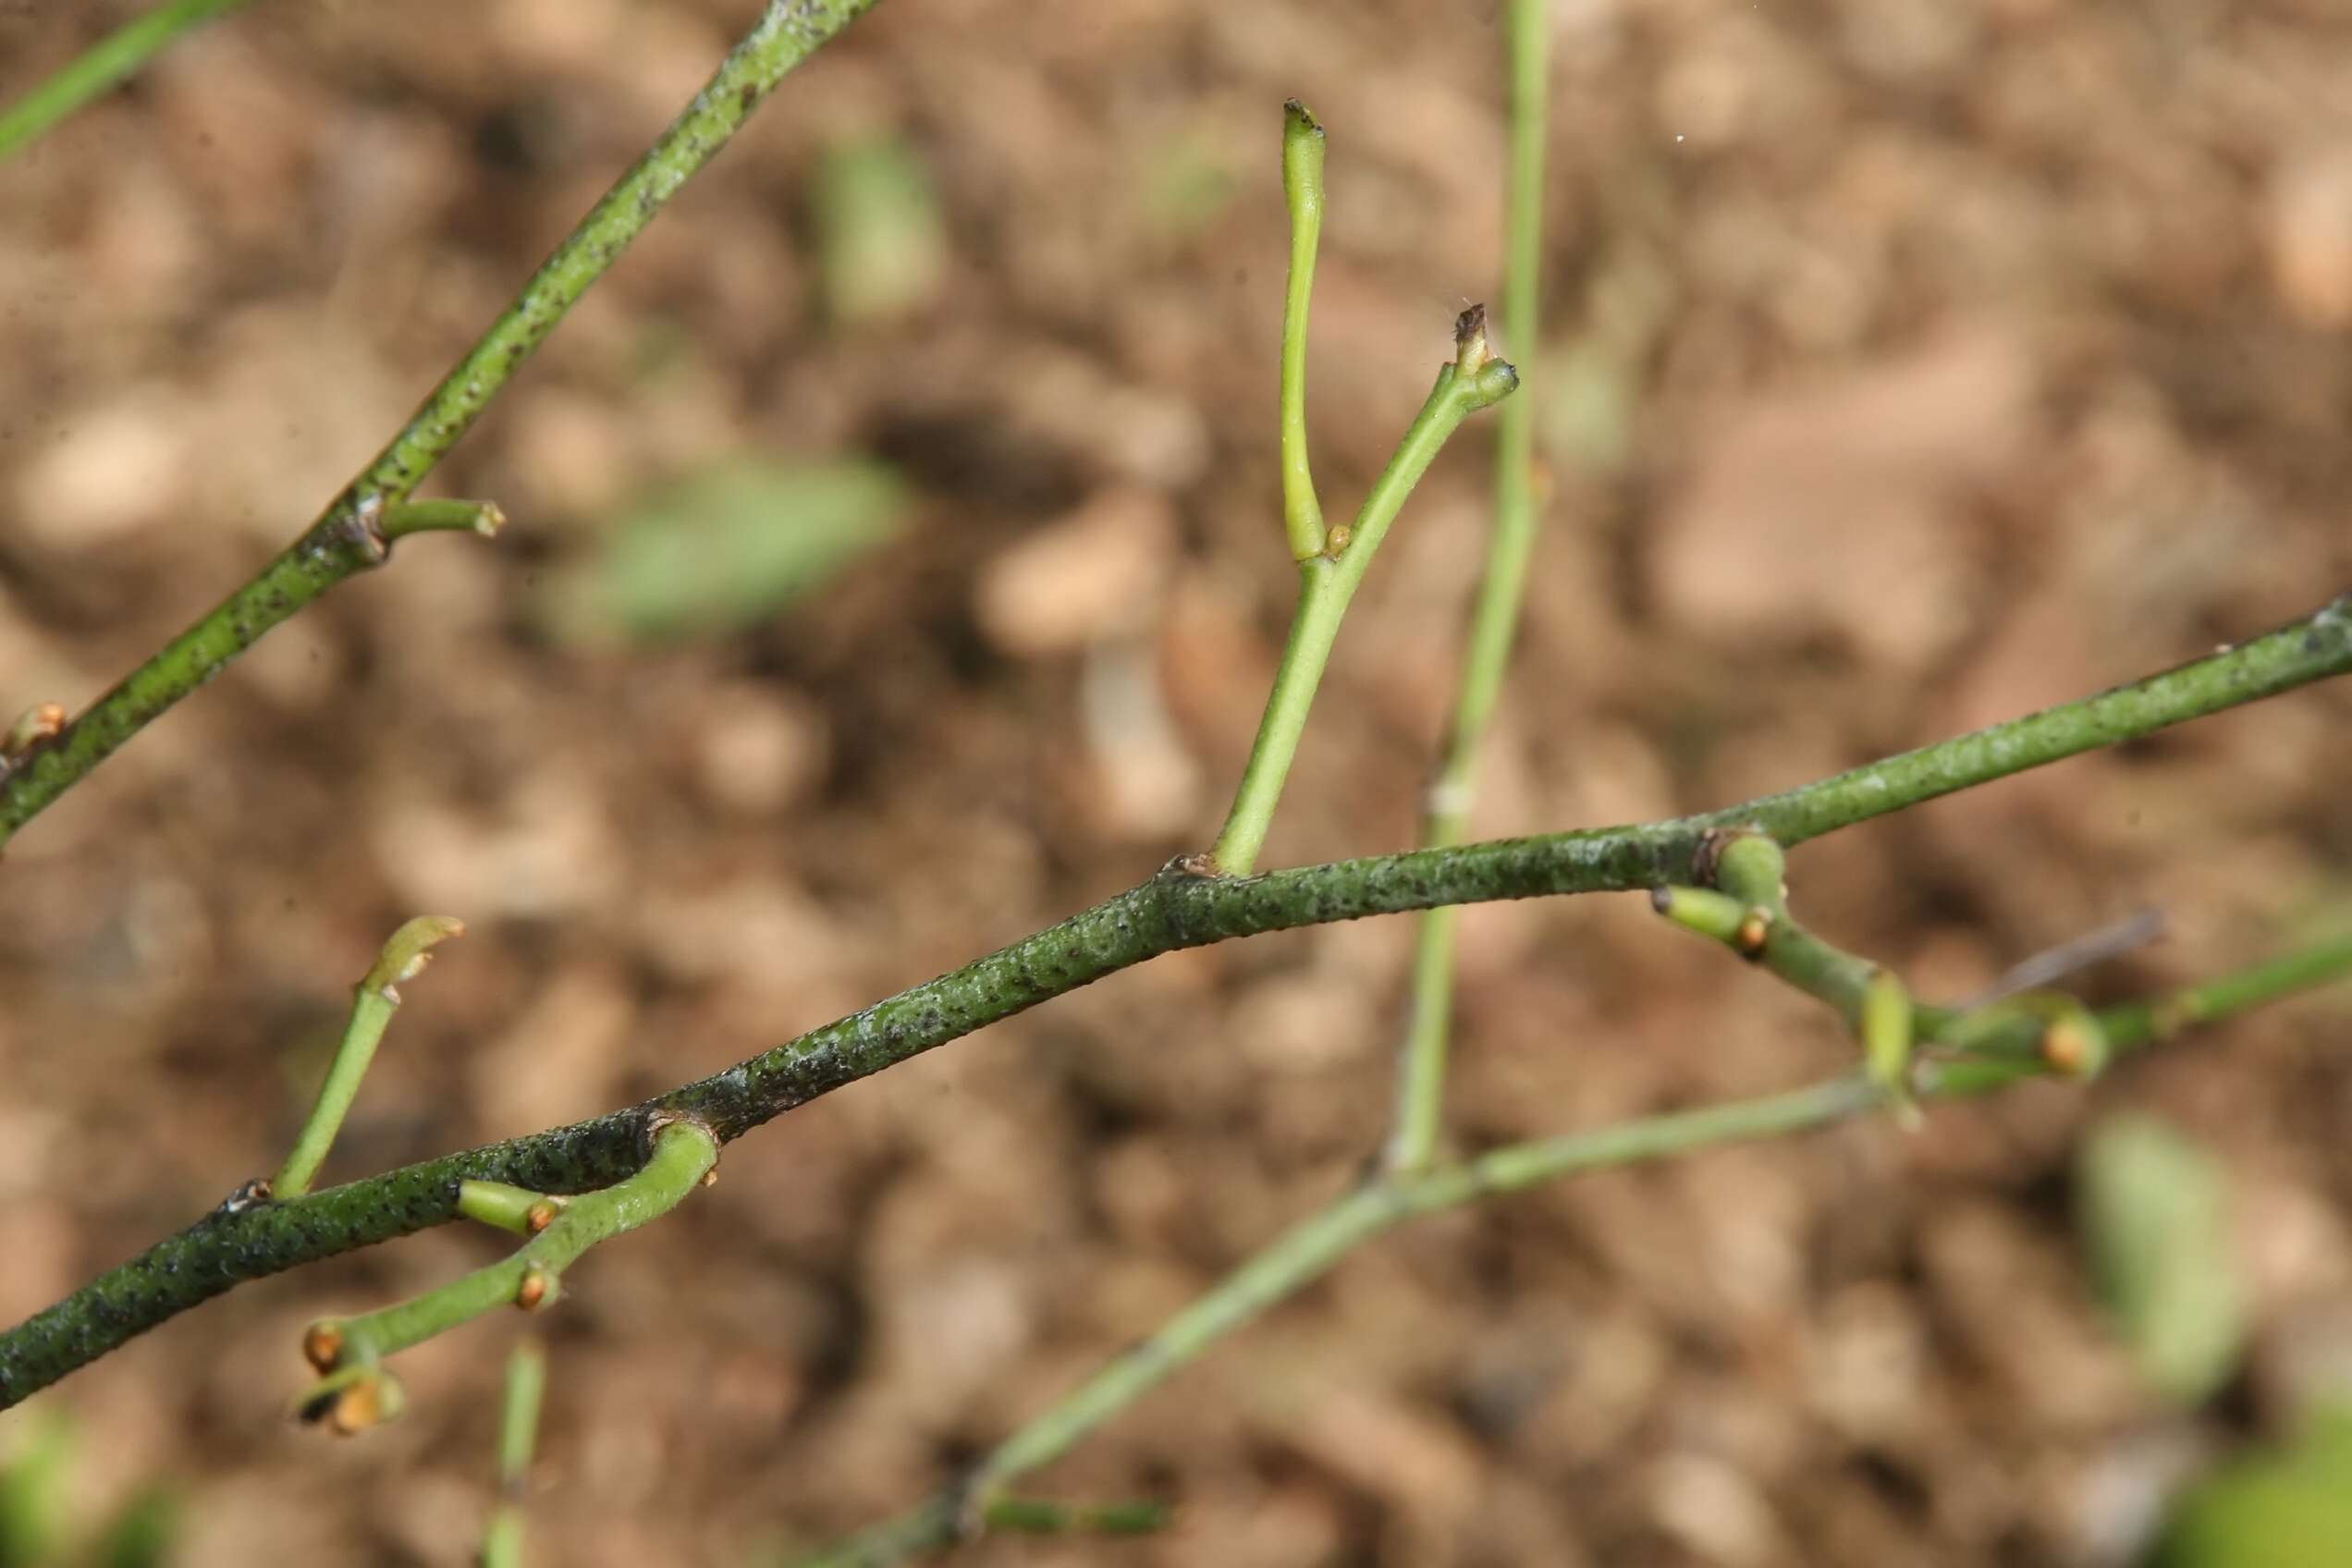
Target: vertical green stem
column 107, row 62
column 1494, row 622
column 518, row 1434
column 1303, row 190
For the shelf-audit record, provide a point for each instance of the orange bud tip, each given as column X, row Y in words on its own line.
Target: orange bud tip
column 540, row 1215
column 538, row 1287
column 323, row 1344
column 2066, row 1048
column 1753, row 932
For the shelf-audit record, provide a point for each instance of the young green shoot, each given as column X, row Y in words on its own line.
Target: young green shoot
column 1303, row 191
column 349, row 1351
column 373, row 1000
column 1474, row 379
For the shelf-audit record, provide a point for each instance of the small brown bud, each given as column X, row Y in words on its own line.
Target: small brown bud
column 323, row 1344
column 540, row 1215
column 538, row 1287
column 2068, row 1048
column 1754, row 931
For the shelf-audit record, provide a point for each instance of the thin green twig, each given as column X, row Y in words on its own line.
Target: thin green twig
column 1494, row 623
column 349, row 1351
column 518, row 1434
column 1170, row 911
column 1308, row 1249
column 373, row 1000
column 348, row 537
column 112, row 60
column 1474, row 380
column 1303, row 192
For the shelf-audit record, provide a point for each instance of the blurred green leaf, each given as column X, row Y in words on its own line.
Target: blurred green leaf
column 728, row 547
column 2291, row 1509
column 881, row 240
column 143, row 1533
column 32, row 1480
column 2155, row 1217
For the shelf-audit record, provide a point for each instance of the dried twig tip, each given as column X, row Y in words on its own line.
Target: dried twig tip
column 1470, row 351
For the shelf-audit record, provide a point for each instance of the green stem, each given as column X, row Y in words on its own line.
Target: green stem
column 110, row 60
column 518, row 1434
column 442, row 516
column 2135, row 1025
column 683, row 1153
column 1494, row 622
column 374, row 1000
column 1303, row 192
column 1167, row 912
column 1042, row 1517
column 1326, row 584
column 1309, row 1248
column 346, row 538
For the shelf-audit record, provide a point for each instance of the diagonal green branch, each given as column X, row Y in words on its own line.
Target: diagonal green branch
column 352, row 534
column 1172, row 910
column 109, row 61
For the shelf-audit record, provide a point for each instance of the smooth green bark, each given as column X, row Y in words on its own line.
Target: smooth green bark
column 1173, row 910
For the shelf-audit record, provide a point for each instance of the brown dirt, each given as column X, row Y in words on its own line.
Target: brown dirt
column 1914, row 365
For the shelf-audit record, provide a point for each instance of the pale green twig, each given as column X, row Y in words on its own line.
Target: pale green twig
column 1475, row 379
column 111, row 60
column 518, row 1434
column 405, row 517
column 374, row 1002
column 1494, row 623
column 1748, row 913
column 1309, row 1248
column 1303, row 192
column 349, row 1351
column 350, row 536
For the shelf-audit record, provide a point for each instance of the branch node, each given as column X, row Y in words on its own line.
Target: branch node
column 35, row 727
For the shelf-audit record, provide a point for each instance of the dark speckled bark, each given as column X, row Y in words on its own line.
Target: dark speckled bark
column 1171, row 910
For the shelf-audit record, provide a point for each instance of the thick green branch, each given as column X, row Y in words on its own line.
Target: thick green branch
column 111, row 60
column 1171, row 910
column 348, row 536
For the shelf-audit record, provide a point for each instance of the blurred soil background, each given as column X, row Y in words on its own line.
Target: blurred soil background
column 1908, row 366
